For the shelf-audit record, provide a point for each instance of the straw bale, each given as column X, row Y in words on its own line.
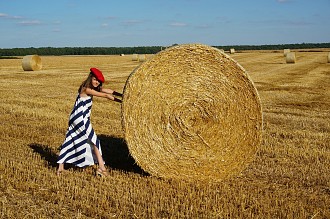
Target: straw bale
column 191, row 112
column 135, row 57
column 31, row 63
column 142, row 58
column 285, row 52
column 290, row 57
column 232, row 51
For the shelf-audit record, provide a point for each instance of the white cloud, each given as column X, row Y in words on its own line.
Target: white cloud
column 111, row 17
column 15, row 17
column 178, row 24
column 131, row 22
column 29, row 22
column 3, row 15
column 203, row 26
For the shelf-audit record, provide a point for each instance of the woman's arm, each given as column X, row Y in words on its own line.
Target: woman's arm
column 109, row 91
column 92, row 92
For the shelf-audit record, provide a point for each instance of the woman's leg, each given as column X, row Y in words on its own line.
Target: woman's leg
column 100, row 161
column 60, row 168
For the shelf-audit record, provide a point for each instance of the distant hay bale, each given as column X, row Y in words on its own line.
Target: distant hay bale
column 290, row 57
column 191, row 112
column 142, row 58
column 285, row 52
column 232, row 51
column 31, row 63
column 135, row 57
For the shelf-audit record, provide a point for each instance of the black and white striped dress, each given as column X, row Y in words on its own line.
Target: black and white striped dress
column 77, row 147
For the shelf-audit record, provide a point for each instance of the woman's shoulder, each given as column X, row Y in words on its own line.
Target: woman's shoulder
column 83, row 95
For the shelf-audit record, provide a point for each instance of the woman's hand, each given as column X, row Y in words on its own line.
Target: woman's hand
column 117, row 94
column 110, row 97
column 118, row 100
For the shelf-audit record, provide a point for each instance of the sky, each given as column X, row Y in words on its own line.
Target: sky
column 116, row 23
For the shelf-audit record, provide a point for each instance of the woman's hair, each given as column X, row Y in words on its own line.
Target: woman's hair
column 88, row 84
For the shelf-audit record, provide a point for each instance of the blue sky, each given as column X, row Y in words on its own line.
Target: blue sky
column 110, row 23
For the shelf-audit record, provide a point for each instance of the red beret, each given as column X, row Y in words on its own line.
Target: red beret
column 98, row 74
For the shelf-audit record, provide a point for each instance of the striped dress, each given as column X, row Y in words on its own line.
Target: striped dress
column 80, row 137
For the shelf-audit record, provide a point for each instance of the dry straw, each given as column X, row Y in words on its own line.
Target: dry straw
column 135, row 57
column 290, row 57
column 285, row 52
column 142, row 58
column 191, row 112
column 31, row 63
column 329, row 57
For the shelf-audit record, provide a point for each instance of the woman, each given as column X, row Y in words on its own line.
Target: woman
column 81, row 146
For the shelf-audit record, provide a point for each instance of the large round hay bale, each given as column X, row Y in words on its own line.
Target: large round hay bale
column 285, row 52
column 135, row 57
column 191, row 112
column 142, row 57
column 31, row 63
column 232, row 51
column 290, row 57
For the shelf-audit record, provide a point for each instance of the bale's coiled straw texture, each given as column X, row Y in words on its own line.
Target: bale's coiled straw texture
column 290, row 57
column 31, row 63
column 285, row 52
column 142, row 57
column 135, row 57
column 191, row 112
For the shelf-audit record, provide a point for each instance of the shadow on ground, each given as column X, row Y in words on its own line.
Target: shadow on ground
column 114, row 151
column 116, row 154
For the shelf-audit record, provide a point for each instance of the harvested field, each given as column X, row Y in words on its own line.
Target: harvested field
column 289, row 177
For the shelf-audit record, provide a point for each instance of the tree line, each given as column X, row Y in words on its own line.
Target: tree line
column 141, row 49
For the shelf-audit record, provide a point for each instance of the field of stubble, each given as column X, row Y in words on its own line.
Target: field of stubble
column 289, row 177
